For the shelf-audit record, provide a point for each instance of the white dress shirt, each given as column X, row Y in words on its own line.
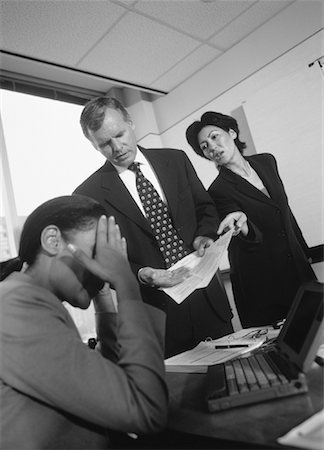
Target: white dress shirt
column 128, row 177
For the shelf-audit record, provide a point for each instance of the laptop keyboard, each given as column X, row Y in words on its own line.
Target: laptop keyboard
column 253, row 373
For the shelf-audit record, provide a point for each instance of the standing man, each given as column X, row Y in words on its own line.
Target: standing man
column 164, row 212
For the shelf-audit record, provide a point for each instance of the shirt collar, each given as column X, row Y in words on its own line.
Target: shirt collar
column 140, row 158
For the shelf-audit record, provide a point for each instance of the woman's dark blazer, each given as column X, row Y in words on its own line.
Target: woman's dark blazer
column 266, row 268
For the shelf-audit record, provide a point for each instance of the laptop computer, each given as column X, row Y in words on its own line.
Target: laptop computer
column 276, row 370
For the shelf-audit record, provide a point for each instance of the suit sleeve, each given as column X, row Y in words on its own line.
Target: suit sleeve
column 293, row 221
column 44, row 358
column 299, row 234
column 226, row 206
column 206, row 213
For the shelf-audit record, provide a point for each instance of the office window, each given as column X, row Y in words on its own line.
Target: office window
column 44, row 155
column 46, row 151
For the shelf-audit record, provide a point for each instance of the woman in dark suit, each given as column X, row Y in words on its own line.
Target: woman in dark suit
column 271, row 261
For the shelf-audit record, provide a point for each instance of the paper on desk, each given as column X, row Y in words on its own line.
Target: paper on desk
column 204, row 354
column 248, row 333
column 204, row 268
column 309, row 434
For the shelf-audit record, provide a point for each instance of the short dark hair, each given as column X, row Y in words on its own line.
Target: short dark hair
column 93, row 113
column 213, row 118
column 69, row 213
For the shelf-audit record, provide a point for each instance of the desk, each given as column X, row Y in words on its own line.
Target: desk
column 259, row 424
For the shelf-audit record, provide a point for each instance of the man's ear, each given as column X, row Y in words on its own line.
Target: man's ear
column 131, row 124
column 232, row 133
column 51, row 239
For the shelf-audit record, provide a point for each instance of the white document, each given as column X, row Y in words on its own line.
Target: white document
column 205, row 354
column 309, row 434
column 203, row 268
column 250, row 333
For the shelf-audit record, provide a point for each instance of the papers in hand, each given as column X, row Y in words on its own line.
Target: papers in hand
column 205, row 354
column 204, row 267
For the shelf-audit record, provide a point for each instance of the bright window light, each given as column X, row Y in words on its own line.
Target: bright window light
column 47, row 152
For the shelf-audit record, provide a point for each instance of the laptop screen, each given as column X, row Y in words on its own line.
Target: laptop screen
column 305, row 314
column 302, row 332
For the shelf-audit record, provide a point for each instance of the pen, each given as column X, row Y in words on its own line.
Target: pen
column 231, row 346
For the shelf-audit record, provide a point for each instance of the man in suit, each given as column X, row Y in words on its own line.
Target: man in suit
column 206, row 312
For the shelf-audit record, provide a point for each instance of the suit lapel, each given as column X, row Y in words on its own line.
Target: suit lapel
column 265, row 175
column 247, row 188
column 116, row 194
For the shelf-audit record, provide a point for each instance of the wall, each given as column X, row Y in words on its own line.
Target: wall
column 283, row 105
column 289, row 28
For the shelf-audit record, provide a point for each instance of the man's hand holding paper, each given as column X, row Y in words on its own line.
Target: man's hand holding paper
column 201, row 269
column 162, row 278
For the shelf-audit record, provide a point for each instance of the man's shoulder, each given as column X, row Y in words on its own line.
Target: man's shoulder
column 22, row 294
column 162, row 150
column 164, row 153
column 91, row 180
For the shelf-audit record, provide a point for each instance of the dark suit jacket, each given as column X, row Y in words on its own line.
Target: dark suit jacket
column 265, row 271
column 193, row 214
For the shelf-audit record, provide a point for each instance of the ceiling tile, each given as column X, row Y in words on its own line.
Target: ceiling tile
column 59, row 31
column 152, row 43
column 125, row 2
column 138, row 49
column 197, row 18
column 247, row 22
column 185, row 68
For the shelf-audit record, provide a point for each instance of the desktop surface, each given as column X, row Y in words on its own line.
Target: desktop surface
column 260, row 423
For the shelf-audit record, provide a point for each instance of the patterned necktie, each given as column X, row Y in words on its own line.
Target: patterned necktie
column 170, row 244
